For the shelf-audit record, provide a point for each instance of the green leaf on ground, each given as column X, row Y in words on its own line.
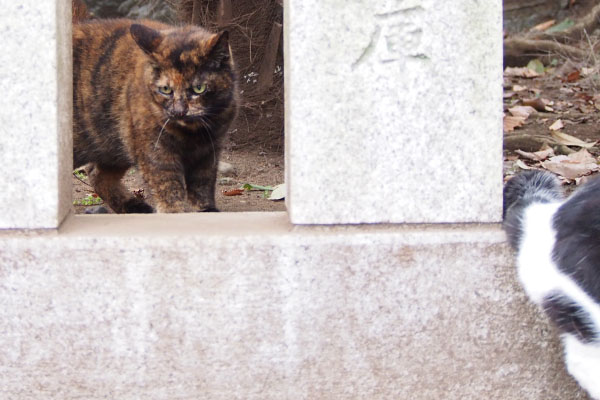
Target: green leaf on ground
column 250, row 186
column 89, row 200
column 537, row 66
column 563, row 26
column 568, row 140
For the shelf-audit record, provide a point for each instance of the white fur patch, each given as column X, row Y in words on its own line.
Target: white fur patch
column 537, row 271
column 583, row 362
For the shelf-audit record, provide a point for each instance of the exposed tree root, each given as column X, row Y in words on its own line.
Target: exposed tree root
column 531, row 143
column 518, row 50
column 577, row 32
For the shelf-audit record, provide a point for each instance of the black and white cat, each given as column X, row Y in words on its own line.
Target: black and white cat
column 558, row 258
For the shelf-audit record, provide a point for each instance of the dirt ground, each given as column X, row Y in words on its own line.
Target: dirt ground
column 569, row 93
column 257, row 166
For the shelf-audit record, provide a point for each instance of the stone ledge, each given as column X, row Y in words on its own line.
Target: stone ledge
column 247, row 306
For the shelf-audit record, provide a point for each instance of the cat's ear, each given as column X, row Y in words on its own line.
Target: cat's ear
column 219, row 48
column 147, row 38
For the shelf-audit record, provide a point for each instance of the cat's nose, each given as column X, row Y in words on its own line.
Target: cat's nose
column 179, row 110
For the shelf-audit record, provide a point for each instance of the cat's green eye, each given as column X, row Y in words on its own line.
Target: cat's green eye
column 199, row 89
column 165, row 90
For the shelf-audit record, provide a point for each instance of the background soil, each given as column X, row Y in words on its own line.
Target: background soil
column 253, row 165
column 566, row 90
column 574, row 103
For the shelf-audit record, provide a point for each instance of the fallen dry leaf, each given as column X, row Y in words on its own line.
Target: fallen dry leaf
column 585, row 71
column 568, row 140
column 585, row 97
column 518, row 88
column 510, row 122
column 563, row 105
column 582, row 156
column 233, row 192
column 520, row 72
column 572, row 166
column 278, row 192
column 538, row 104
column 585, row 109
column 522, row 165
column 573, row 76
column 566, row 90
column 540, row 155
column 557, row 125
column 521, row 111
column 544, row 25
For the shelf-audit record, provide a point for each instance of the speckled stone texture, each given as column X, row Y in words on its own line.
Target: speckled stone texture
column 393, row 111
column 247, row 306
column 35, row 76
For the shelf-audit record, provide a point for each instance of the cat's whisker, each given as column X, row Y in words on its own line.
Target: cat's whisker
column 160, row 133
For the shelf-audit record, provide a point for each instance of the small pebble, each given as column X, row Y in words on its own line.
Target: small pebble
column 226, row 181
column 96, row 210
column 226, row 169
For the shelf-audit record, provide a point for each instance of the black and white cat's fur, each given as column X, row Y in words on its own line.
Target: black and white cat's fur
column 558, row 258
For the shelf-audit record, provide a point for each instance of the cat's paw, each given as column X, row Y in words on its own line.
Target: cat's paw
column 137, row 206
column 210, row 209
column 96, row 210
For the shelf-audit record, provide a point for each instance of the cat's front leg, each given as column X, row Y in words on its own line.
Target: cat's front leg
column 201, row 182
column 165, row 178
column 107, row 183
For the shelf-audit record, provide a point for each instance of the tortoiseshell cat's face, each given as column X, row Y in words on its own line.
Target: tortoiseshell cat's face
column 190, row 73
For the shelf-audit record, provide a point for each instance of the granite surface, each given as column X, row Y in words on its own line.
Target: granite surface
column 393, row 111
column 246, row 306
column 35, row 119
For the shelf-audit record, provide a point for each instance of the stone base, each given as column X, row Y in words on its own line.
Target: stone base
column 247, row 306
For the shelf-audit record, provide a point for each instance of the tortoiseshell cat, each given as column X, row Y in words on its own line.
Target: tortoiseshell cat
column 156, row 96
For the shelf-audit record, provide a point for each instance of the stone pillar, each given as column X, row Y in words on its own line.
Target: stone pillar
column 393, row 111
column 35, row 117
